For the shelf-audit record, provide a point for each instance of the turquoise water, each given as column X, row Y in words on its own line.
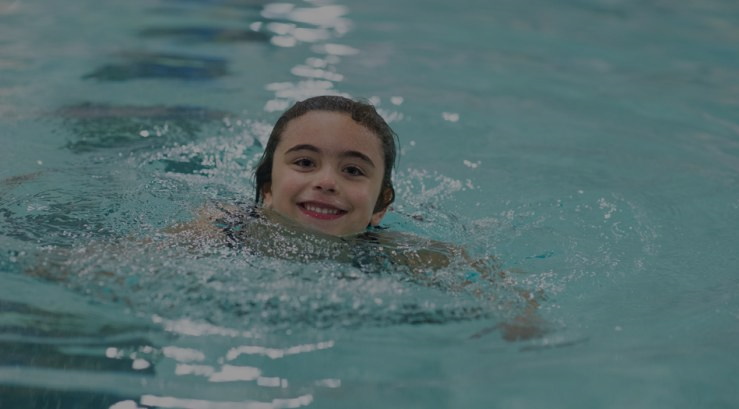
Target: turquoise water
column 591, row 146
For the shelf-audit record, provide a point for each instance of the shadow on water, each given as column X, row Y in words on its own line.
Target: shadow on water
column 41, row 398
column 237, row 4
column 38, row 345
column 206, row 34
column 57, row 222
column 104, row 126
column 143, row 65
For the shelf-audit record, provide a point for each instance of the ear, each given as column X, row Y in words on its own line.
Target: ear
column 267, row 196
column 377, row 216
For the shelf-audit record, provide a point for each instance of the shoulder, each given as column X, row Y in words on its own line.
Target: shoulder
column 212, row 221
column 417, row 253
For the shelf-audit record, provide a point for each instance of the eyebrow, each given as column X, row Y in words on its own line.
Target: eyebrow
column 350, row 154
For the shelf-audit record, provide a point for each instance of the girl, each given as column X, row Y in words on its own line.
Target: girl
column 325, row 179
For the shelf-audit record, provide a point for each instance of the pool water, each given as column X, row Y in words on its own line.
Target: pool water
column 590, row 147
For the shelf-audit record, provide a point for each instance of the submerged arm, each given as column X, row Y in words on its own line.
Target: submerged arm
column 422, row 256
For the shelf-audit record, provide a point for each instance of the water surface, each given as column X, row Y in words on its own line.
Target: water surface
column 592, row 147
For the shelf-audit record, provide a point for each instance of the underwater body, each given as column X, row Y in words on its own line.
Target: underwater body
column 589, row 148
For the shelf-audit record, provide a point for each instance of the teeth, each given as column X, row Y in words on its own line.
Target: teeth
column 321, row 210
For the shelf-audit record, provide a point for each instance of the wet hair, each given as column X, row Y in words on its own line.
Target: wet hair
column 361, row 112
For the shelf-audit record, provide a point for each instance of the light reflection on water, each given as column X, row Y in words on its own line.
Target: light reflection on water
column 171, row 402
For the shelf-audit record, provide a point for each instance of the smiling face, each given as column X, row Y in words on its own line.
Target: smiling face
column 327, row 174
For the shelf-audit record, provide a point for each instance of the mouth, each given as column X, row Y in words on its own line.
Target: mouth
column 321, row 211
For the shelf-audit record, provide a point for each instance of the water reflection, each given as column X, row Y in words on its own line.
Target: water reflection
column 173, row 402
column 320, row 26
column 276, row 353
column 325, row 16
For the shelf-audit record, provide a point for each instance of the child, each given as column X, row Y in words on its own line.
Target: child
column 325, row 176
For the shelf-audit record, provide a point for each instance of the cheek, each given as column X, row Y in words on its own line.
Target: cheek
column 282, row 189
column 368, row 197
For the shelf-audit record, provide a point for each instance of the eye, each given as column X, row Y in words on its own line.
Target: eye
column 304, row 163
column 354, row 171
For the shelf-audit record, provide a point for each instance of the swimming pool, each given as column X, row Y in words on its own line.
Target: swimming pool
column 591, row 146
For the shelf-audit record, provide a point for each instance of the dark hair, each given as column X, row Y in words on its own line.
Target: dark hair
column 361, row 112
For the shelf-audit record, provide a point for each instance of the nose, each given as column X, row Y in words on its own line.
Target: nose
column 325, row 181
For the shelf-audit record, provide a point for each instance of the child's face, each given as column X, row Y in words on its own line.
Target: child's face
column 327, row 174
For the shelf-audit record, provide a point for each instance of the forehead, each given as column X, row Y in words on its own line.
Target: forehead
column 335, row 130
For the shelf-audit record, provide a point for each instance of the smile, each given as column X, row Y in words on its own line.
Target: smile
column 321, row 211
